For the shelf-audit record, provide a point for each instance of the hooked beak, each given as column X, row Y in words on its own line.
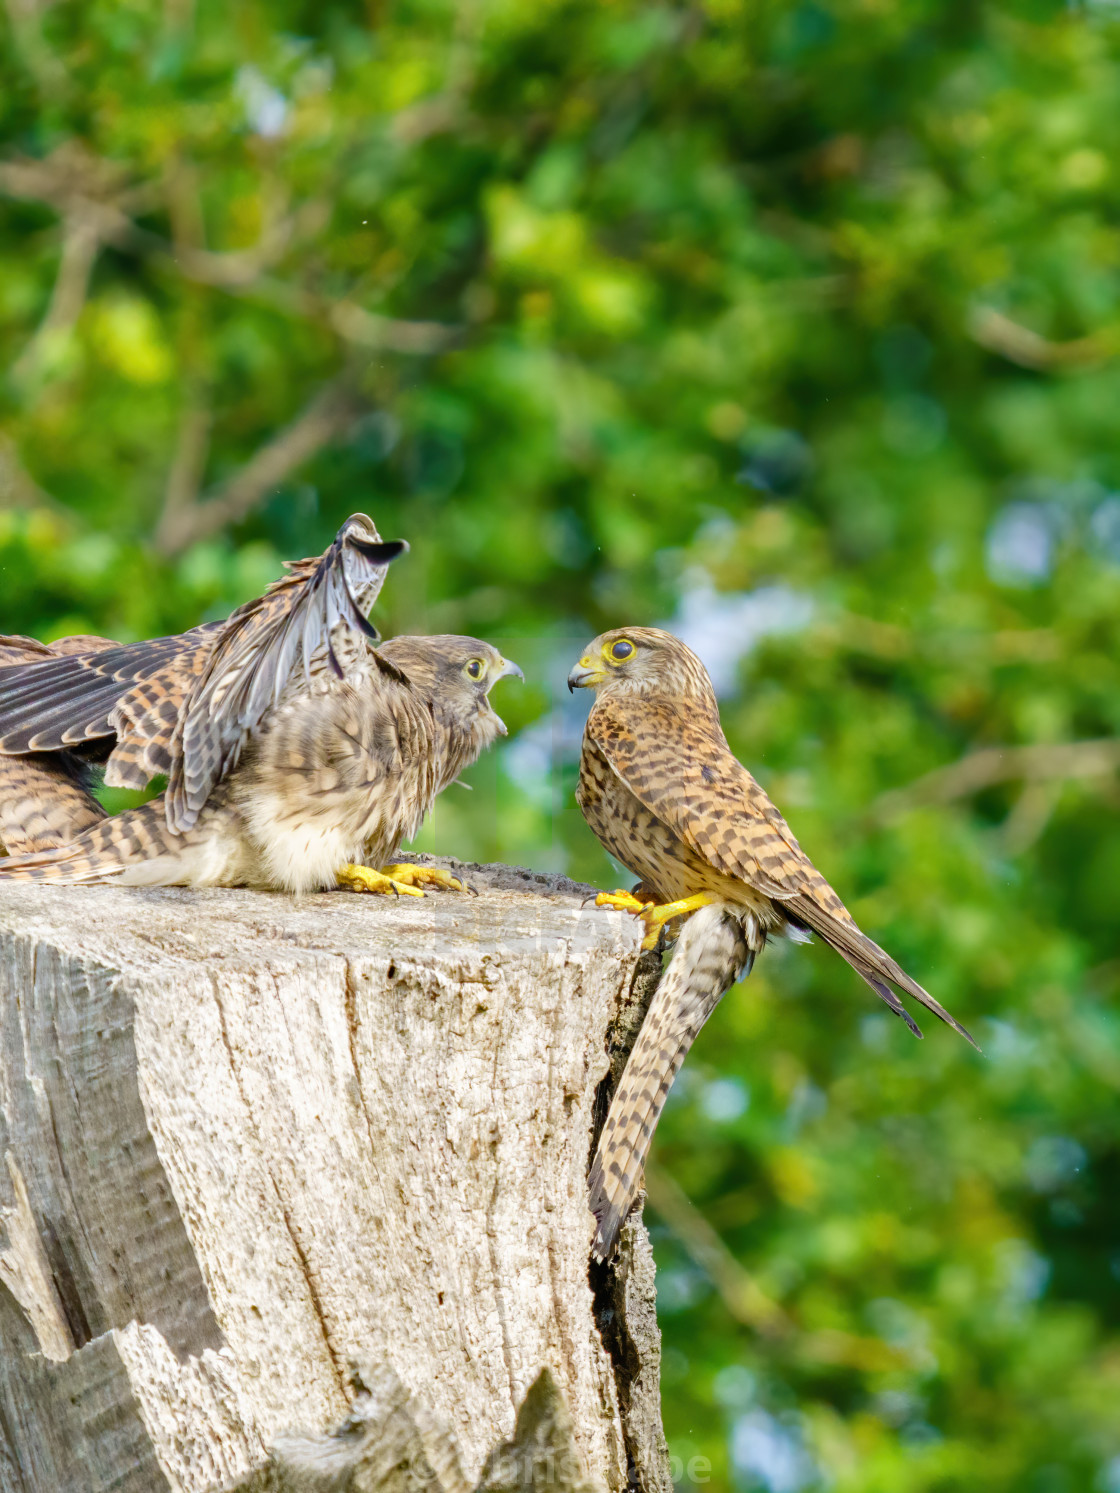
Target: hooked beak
column 509, row 670
column 583, row 675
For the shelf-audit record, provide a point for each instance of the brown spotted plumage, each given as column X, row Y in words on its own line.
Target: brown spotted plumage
column 187, row 705
column 326, row 787
column 711, row 954
column 298, row 754
column 662, row 790
column 45, row 797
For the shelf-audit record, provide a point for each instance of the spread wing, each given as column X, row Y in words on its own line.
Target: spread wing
column 260, row 647
column 144, row 718
column 680, row 767
column 18, row 650
column 44, row 798
column 184, row 705
column 65, row 695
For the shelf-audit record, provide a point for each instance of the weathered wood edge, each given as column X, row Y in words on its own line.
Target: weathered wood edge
column 624, row 1302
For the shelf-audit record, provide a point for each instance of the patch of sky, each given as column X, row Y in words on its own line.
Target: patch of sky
column 723, row 628
column 678, row 1288
column 1024, row 1272
column 725, row 1099
column 1023, row 539
column 771, row 1452
column 1021, row 543
column 1104, row 528
column 266, row 108
column 536, row 757
column 1006, row 1044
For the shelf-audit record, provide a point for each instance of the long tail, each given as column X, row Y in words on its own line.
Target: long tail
column 44, row 802
column 868, row 960
column 711, row 954
column 100, row 853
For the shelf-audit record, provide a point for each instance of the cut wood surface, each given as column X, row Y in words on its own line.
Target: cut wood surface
column 290, row 1184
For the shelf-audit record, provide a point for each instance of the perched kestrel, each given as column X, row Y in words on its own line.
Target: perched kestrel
column 186, row 705
column 297, row 752
column 662, row 790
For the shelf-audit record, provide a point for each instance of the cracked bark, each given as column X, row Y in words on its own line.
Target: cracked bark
column 294, row 1193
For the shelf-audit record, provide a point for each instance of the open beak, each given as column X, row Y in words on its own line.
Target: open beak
column 509, row 670
column 584, row 675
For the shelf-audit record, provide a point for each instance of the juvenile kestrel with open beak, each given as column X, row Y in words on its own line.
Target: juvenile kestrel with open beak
column 299, row 754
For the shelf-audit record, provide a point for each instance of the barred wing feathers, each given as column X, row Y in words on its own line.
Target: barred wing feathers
column 259, row 649
column 678, row 764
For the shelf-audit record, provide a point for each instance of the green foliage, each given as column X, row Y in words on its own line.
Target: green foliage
column 796, row 323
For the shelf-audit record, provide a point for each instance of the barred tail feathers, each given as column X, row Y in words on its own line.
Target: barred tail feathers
column 869, row 961
column 44, row 803
column 100, row 854
column 710, row 956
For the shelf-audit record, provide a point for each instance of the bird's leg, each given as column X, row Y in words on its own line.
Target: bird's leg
column 643, row 904
column 655, row 917
column 417, row 876
column 635, row 900
column 366, row 879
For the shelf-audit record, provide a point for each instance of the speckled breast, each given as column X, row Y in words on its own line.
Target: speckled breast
column 635, row 836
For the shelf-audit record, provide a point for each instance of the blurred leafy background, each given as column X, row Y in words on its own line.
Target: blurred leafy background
column 795, row 325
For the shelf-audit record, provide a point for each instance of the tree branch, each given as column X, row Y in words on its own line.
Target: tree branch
column 745, row 1300
column 80, row 245
column 1018, row 344
column 184, row 477
column 992, row 765
column 56, row 183
column 32, row 49
column 328, row 414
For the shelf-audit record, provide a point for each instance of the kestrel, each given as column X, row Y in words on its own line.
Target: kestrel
column 660, row 787
column 325, row 791
column 186, row 705
column 296, row 751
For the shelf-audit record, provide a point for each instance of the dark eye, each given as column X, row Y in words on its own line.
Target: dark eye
column 622, row 649
column 474, row 669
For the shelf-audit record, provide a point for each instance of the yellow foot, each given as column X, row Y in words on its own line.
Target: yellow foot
column 415, row 876
column 365, row 879
column 620, row 901
column 655, row 917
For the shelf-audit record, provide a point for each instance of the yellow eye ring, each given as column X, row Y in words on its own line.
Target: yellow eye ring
column 474, row 669
column 621, row 650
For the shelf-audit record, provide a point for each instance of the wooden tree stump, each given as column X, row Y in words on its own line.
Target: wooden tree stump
column 293, row 1193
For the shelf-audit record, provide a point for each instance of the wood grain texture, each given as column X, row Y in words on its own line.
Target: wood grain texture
column 277, row 1148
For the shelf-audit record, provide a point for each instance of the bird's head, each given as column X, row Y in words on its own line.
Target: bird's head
column 456, row 674
column 643, row 661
